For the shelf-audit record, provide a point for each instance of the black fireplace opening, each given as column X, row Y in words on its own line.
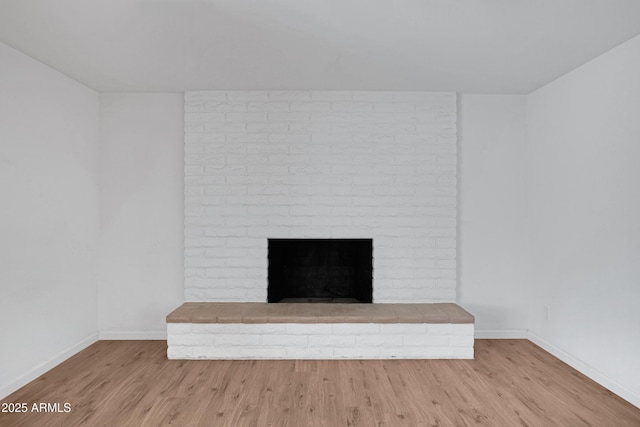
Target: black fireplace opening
column 320, row 270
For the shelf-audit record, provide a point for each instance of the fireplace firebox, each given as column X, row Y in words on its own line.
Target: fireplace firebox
column 320, row 270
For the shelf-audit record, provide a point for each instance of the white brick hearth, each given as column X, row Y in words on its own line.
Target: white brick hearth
column 304, row 164
column 319, row 331
column 320, row 341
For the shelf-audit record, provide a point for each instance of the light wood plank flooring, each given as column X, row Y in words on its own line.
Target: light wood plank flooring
column 131, row 383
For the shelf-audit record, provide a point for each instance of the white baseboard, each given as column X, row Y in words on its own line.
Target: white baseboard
column 34, row 373
column 133, row 335
column 587, row 370
column 500, row 334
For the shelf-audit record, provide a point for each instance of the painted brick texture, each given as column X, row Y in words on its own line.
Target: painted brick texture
column 305, row 164
column 319, row 341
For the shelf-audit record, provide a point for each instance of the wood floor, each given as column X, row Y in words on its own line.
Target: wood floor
column 131, row 383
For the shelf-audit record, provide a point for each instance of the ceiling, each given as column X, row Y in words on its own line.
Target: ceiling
column 473, row 46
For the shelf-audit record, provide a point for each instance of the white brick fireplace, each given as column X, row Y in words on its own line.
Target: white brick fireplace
column 305, row 164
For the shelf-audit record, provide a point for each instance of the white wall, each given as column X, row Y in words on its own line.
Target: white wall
column 48, row 217
column 326, row 164
column 492, row 214
column 584, row 198
column 141, row 208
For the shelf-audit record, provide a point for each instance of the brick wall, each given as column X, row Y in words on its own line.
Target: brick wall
column 301, row 164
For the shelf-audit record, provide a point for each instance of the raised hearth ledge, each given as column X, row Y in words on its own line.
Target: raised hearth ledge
column 217, row 331
column 256, row 312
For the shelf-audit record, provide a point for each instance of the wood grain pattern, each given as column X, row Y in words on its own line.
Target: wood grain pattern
column 131, row 383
